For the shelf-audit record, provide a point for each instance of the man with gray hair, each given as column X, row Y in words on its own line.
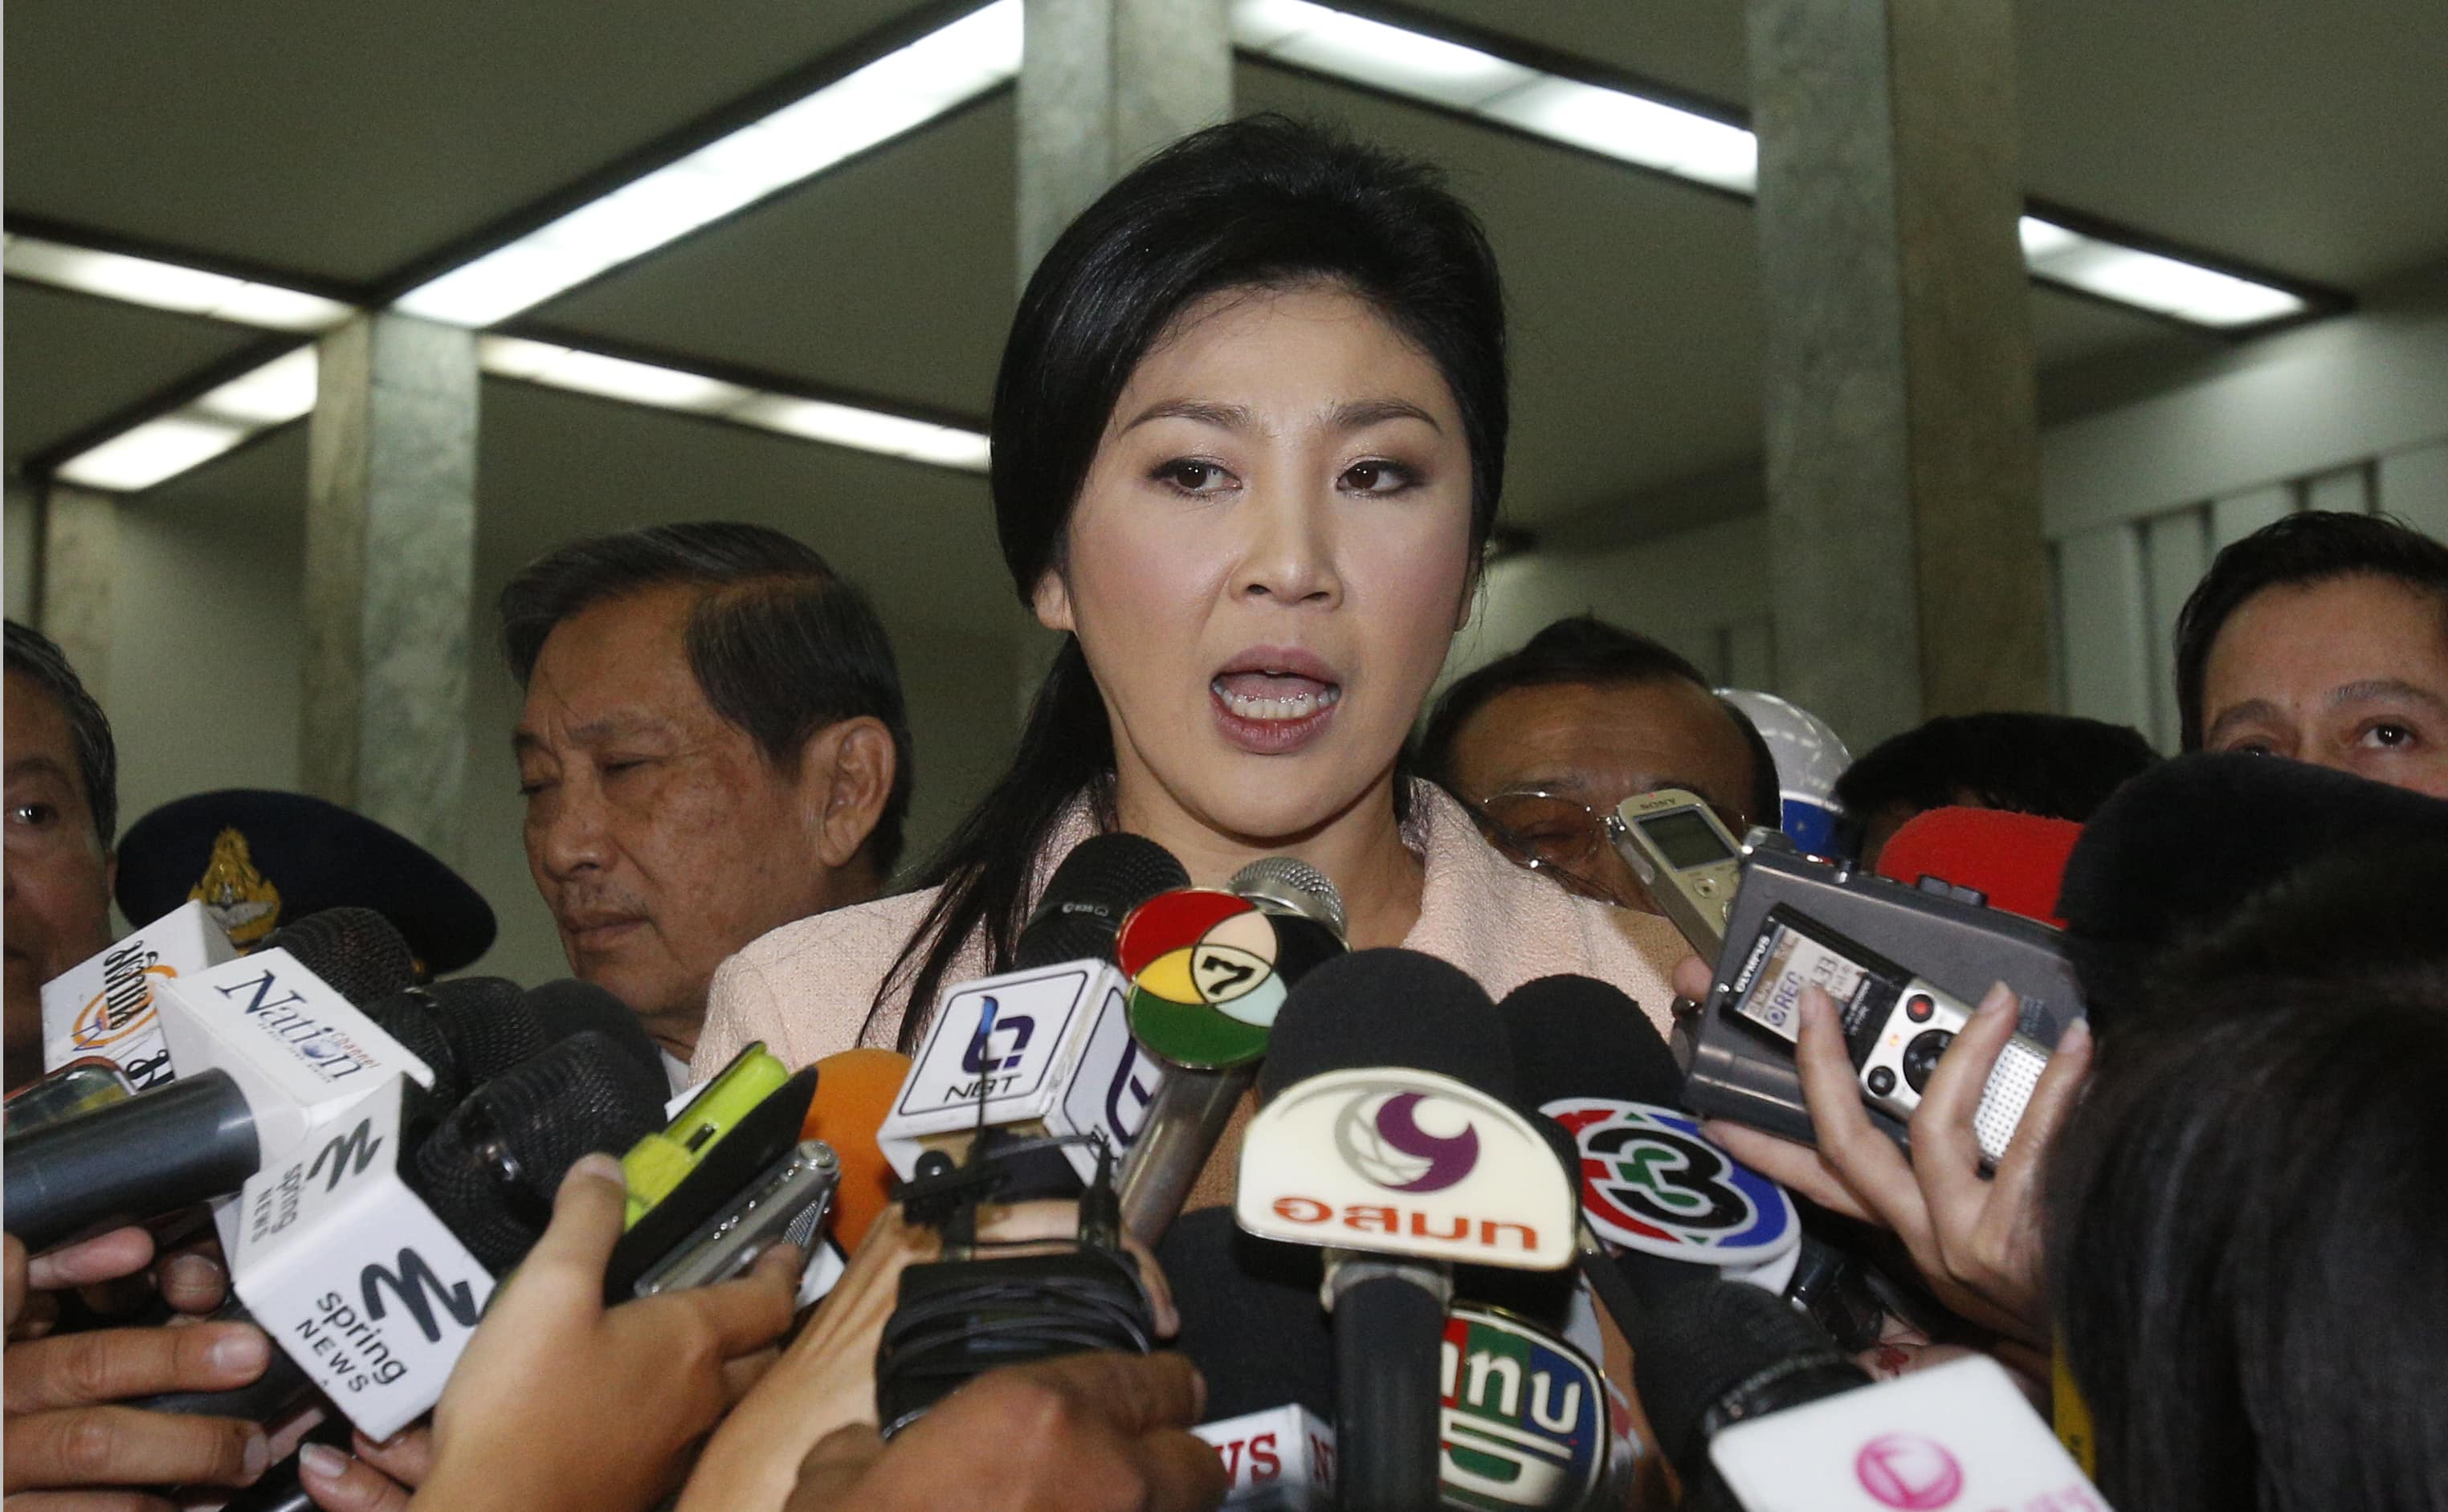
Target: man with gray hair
column 713, row 745
column 63, row 776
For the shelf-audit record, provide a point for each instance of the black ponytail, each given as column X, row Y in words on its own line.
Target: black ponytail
column 1253, row 204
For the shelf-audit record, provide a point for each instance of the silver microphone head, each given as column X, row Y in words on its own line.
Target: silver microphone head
column 1293, row 886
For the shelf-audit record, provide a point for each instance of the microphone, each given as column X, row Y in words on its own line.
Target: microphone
column 1045, row 1049
column 854, row 1091
column 2007, row 860
column 2179, row 848
column 1524, row 1416
column 1384, row 1135
column 1723, row 1355
column 1292, row 919
column 272, row 1050
column 1758, row 1410
column 1673, row 1208
column 104, row 1004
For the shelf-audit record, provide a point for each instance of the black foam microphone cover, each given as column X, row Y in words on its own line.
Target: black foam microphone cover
column 466, row 1030
column 2181, row 846
column 1727, row 1352
column 1389, row 1007
column 353, row 951
column 1578, row 1037
column 1103, row 878
column 491, row 1169
column 571, row 1006
column 1250, row 1318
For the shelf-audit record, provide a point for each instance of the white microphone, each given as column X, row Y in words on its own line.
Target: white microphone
column 1045, row 1048
column 104, row 1004
column 1384, row 1136
column 1279, row 1459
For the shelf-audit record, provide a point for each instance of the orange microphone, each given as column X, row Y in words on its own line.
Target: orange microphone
column 854, row 1090
column 2015, row 860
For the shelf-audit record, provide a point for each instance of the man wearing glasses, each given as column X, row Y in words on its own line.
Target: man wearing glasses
column 1543, row 744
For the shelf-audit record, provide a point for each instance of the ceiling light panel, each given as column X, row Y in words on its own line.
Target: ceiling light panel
column 152, row 453
column 662, row 388
column 895, row 94
column 1699, row 148
column 168, row 286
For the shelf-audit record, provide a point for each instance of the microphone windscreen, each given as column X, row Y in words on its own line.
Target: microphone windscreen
column 854, row 1091
column 2017, row 860
column 1717, row 1340
column 1103, row 878
column 466, row 1030
column 1389, row 1007
column 571, row 1006
column 1578, row 1037
column 353, row 951
column 1250, row 1317
column 489, row 1170
column 2178, row 849
column 1294, row 885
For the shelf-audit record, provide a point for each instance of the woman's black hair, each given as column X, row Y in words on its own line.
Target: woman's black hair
column 1261, row 202
column 2248, row 1245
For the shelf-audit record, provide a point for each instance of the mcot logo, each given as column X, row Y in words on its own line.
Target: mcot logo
column 1908, row 1472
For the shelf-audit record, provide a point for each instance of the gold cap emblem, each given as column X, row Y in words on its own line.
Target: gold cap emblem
column 240, row 899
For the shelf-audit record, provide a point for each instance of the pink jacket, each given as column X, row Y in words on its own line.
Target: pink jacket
column 805, row 988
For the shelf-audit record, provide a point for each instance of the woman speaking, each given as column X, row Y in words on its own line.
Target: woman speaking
column 1249, row 442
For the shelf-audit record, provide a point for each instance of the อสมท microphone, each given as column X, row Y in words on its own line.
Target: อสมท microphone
column 1385, row 1135
column 201, row 1136
column 1045, row 1048
column 1301, row 925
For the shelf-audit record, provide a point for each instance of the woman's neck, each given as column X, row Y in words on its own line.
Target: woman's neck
column 1360, row 850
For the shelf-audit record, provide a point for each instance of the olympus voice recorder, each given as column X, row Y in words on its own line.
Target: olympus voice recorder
column 1896, row 1025
column 1691, row 866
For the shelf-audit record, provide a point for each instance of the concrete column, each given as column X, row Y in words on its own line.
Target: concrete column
column 1903, row 438
column 1102, row 83
column 78, row 573
column 391, row 531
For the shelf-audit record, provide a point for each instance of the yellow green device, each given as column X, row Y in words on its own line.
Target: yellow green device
column 658, row 1162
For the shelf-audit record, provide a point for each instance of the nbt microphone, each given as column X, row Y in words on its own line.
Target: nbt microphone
column 1386, row 1135
column 1045, row 1048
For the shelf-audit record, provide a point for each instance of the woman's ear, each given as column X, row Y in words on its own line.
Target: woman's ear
column 1052, row 602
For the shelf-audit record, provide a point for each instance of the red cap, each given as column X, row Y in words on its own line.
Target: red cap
column 2016, row 859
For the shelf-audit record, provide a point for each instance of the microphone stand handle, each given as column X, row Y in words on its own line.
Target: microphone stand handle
column 1184, row 1120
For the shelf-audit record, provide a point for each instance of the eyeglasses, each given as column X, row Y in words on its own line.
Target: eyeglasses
column 1557, row 838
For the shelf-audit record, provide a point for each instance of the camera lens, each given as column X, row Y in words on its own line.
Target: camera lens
column 1921, row 1056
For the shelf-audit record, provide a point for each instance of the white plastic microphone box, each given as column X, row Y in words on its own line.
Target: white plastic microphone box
column 303, row 1057
column 1280, row 1458
column 1955, row 1435
column 109, row 1003
column 1047, row 1049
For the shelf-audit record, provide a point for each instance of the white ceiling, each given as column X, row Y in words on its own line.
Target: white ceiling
column 346, row 144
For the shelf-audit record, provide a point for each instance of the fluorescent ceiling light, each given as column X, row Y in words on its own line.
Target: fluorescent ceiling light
column 152, row 453
column 275, row 394
column 2153, row 281
column 893, row 95
column 168, row 286
column 1687, row 144
column 841, row 425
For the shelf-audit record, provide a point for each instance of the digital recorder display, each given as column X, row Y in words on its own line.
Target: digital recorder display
column 1788, row 961
column 1686, row 839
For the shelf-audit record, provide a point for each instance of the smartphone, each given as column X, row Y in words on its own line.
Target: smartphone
column 1687, row 860
column 658, row 1162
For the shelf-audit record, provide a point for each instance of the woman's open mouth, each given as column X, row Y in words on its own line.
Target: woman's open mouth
column 1274, row 703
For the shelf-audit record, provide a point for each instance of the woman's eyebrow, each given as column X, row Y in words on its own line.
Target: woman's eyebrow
column 1360, row 414
column 1229, row 416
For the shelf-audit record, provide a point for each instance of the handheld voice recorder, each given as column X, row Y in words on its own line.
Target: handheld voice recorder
column 1896, row 1024
column 1691, row 866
